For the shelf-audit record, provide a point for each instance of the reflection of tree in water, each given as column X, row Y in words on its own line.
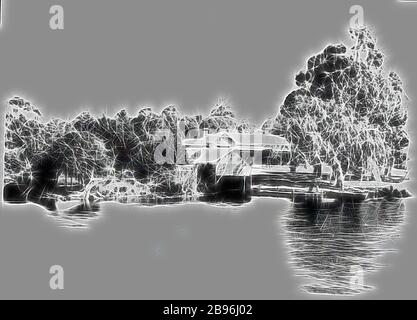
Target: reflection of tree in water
column 78, row 216
column 333, row 246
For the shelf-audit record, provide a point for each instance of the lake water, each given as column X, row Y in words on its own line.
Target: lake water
column 332, row 247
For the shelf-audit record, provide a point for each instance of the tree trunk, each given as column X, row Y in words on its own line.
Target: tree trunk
column 66, row 178
column 340, row 177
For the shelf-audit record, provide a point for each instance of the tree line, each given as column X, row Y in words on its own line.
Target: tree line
column 346, row 111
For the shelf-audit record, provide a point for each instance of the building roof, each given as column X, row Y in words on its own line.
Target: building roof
column 236, row 139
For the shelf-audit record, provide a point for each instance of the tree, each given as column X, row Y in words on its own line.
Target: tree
column 221, row 118
column 346, row 110
column 24, row 137
column 77, row 154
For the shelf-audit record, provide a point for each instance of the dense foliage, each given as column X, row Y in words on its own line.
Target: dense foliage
column 89, row 147
column 346, row 111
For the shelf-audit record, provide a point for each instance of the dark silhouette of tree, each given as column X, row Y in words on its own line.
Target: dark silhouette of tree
column 78, row 154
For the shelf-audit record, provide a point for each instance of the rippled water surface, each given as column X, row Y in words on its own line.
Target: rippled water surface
column 335, row 246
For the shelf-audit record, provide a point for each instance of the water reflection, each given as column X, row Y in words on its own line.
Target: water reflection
column 77, row 215
column 334, row 246
column 80, row 214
